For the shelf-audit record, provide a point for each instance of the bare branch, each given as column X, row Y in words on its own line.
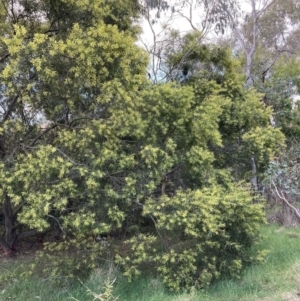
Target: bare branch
column 190, row 18
column 75, row 163
column 155, row 224
column 281, row 196
column 265, row 8
column 43, row 133
column 235, row 30
column 59, row 225
column 4, row 57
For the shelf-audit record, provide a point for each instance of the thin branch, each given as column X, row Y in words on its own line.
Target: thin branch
column 4, row 57
column 154, row 45
column 81, row 118
column 66, row 156
column 236, row 31
column 265, row 8
column 255, row 28
column 59, row 225
column 281, row 196
column 155, row 224
column 18, row 209
column 43, row 133
column 190, row 18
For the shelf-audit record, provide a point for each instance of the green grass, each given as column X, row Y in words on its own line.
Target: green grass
column 277, row 279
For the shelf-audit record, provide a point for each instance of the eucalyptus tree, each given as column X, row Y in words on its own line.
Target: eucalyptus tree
column 275, row 73
column 263, row 35
column 201, row 16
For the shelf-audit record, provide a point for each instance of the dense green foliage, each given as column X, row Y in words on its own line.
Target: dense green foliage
column 201, row 235
column 90, row 146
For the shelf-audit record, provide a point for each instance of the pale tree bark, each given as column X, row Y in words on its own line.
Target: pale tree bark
column 249, row 47
column 254, row 180
column 287, row 206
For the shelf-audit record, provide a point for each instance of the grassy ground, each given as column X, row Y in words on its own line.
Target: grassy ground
column 277, row 279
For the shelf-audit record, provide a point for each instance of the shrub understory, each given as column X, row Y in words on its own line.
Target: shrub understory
column 277, row 279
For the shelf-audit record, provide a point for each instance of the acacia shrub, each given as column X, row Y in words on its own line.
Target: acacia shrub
column 201, row 235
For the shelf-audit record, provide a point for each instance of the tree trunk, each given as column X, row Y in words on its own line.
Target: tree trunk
column 9, row 219
column 5, row 248
column 8, row 243
column 254, row 180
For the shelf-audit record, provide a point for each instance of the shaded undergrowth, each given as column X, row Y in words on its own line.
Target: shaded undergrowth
column 277, row 279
